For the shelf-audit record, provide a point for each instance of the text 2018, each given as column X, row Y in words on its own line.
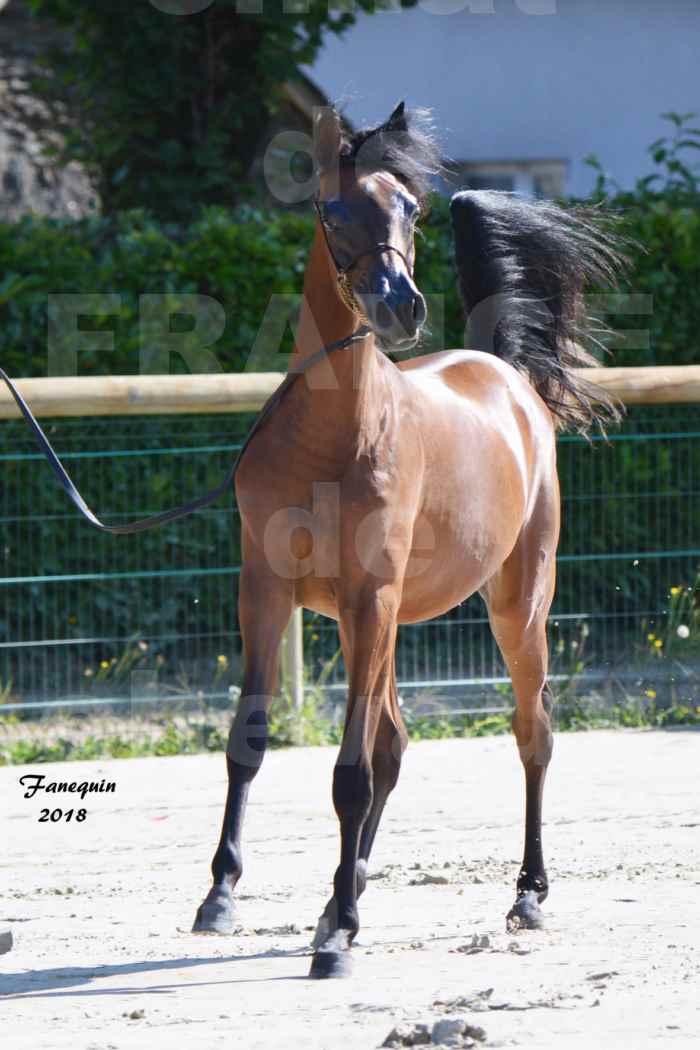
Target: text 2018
column 55, row 815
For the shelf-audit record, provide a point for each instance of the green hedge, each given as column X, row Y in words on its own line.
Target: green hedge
column 659, row 218
column 241, row 258
column 238, row 259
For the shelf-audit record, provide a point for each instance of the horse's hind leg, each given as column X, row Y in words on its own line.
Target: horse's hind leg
column 389, row 746
column 265, row 605
column 519, row 599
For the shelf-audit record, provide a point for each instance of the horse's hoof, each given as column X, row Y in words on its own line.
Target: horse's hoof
column 332, row 958
column 216, row 914
column 330, row 964
column 526, row 913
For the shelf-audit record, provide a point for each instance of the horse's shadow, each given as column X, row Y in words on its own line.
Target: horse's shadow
column 64, row 980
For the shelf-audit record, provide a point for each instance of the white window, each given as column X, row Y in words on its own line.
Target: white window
column 532, row 178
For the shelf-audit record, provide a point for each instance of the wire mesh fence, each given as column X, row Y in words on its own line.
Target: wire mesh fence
column 88, row 620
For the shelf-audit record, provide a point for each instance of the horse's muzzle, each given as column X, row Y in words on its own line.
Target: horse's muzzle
column 397, row 314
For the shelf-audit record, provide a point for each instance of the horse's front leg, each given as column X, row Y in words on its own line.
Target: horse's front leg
column 370, row 624
column 265, row 605
column 389, row 746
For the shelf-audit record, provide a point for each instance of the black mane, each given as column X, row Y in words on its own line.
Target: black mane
column 405, row 145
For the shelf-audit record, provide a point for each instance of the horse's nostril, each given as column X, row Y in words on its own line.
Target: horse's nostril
column 419, row 310
column 382, row 315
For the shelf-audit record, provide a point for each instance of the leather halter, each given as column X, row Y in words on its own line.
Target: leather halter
column 345, row 288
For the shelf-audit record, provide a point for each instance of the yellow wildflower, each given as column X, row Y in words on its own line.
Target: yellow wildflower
column 651, row 693
column 104, row 664
column 222, row 660
column 658, row 643
column 651, row 637
column 675, row 591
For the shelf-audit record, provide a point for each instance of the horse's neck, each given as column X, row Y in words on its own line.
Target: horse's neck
column 344, row 384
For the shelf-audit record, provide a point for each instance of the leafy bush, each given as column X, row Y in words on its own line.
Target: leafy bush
column 660, row 218
column 240, row 258
column 244, row 256
column 237, row 258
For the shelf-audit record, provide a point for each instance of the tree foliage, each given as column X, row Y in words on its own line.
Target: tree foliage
column 167, row 111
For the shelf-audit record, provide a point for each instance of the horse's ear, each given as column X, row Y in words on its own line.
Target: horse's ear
column 328, row 137
column 397, row 120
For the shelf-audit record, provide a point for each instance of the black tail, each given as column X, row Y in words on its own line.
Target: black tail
column 523, row 266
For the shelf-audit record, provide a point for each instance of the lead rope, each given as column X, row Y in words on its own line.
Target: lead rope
column 202, row 501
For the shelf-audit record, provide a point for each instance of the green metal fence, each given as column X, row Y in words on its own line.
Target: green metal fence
column 94, row 619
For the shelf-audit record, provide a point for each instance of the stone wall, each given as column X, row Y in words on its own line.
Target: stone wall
column 29, row 180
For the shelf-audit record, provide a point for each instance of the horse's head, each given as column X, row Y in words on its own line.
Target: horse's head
column 370, row 194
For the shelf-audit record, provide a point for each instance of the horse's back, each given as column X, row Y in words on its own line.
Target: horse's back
column 467, row 372
column 471, row 381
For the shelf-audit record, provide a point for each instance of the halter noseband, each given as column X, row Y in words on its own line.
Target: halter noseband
column 345, row 289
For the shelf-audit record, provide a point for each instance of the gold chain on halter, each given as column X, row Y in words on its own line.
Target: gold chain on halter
column 347, row 294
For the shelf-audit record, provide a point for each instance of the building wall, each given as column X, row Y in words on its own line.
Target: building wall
column 592, row 77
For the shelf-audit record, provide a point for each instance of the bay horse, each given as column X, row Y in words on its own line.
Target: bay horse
column 380, row 494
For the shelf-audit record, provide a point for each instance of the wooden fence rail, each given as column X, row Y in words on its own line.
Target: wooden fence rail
column 142, row 395
column 215, row 393
column 147, row 395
